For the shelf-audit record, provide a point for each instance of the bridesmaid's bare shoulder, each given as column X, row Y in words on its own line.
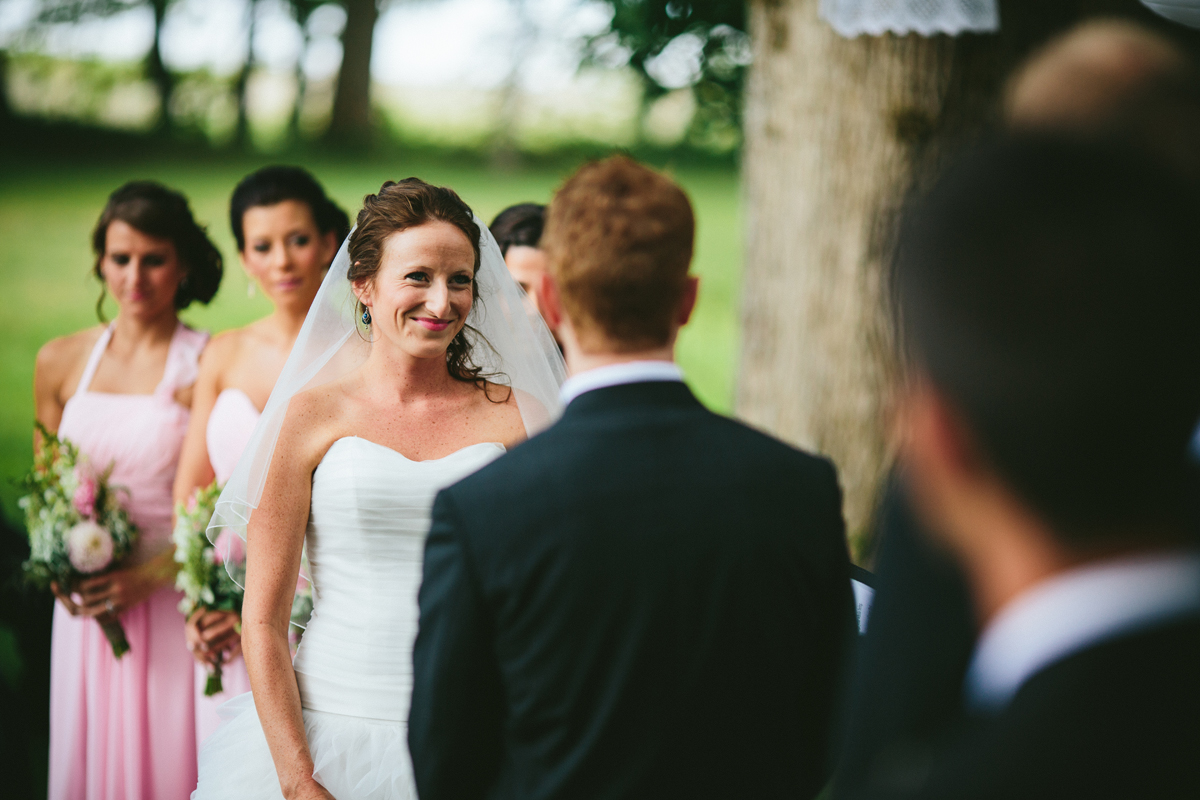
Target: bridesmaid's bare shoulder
column 220, row 354
column 61, row 361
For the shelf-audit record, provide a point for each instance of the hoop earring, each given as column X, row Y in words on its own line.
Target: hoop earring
column 366, row 316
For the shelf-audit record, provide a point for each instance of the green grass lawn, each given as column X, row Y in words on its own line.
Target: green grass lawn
column 46, row 288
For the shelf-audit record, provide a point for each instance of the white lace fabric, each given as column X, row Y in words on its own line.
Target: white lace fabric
column 852, row 18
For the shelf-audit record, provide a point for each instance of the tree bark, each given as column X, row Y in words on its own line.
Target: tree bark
column 351, row 123
column 241, row 135
column 156, row 70
column 836, row 131
column 5, row 111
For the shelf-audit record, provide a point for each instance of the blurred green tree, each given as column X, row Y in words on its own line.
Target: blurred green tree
column 706, row 40
column 54, row 12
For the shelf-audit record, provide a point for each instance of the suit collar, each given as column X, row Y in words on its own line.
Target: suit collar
column 1075, row 610
column 654, row 394
column 619, row 374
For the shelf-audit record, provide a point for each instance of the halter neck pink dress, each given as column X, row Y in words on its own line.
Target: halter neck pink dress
column 230, row 425
column 124, row 729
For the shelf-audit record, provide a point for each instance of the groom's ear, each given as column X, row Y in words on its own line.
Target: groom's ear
column 687, row 303
column 549, row 302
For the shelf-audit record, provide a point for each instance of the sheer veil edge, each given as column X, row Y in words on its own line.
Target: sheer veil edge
column 509, row 341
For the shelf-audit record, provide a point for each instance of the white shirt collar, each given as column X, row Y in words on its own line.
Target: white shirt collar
column 1073, row 611
column 618, row 374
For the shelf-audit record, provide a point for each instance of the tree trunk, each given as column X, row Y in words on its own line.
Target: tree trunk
column 294, row 135
column 241, row 135
column 836, row 130
column 351, row 123
column 164, row 82
column 5, row 111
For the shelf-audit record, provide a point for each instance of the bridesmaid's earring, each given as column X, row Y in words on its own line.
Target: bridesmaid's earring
column 366, row 317
column 250, row 290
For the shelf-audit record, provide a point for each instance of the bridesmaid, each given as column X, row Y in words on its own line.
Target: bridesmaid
column 119, row 729
column 287, row 234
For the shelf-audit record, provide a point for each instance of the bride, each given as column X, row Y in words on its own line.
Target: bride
column 416, row 366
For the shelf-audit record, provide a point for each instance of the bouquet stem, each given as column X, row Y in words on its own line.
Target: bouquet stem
column 116, row 637
column 213, row 685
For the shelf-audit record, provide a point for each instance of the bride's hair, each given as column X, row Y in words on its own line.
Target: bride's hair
column 406, row 204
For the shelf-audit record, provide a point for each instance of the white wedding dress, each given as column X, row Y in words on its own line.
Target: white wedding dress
column 369, row 517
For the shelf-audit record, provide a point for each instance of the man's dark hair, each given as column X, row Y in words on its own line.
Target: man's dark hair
column 519, row 226
column 1049, row 290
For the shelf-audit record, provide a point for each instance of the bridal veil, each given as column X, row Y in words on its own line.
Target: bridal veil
column 510, row 343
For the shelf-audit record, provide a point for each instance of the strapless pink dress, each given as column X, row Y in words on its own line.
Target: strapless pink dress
column 230, row 425
column 125, row 729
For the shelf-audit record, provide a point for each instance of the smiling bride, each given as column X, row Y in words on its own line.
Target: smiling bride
column 416, row 366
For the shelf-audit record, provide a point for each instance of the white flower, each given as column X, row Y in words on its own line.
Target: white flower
column 89, row 547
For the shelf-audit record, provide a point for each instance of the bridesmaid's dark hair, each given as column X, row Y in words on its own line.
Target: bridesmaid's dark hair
column 519, row 226
column 275, row 184
column 163, row 213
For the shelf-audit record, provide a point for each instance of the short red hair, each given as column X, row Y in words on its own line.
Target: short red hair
column 619, row 237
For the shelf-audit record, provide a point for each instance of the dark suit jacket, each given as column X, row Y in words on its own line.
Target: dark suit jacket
column 910, row 665
column 1118, row 720
column 647, row 600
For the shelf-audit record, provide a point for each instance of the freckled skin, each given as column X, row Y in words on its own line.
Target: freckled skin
column 403, row 398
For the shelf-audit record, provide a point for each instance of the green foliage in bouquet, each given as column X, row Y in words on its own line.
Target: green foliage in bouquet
column 76, row 523
column 204, row 574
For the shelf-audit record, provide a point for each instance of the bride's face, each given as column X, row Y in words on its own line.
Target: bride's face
column 421, row 295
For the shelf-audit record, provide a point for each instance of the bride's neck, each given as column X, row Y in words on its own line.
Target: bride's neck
column 404, row 376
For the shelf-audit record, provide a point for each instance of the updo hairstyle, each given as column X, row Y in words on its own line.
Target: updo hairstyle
column 162, row 213
column 398, row 206
column 275, row 184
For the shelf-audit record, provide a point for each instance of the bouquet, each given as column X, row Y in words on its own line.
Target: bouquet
column 203, row 577
column 76, row 523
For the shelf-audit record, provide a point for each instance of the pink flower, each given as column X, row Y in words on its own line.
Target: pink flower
column 191, row 503
column 229, row 548
column 84, row 499
column 89, row 547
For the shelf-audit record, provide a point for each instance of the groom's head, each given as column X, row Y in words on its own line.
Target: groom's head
column 619, row 239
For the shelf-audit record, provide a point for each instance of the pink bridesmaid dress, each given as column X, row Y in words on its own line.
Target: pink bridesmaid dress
column 230, row 425
column 124, row 729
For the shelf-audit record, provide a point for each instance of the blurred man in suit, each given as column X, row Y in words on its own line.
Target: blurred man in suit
column 1046, row 295
column 1104, row 80
column 648, row 600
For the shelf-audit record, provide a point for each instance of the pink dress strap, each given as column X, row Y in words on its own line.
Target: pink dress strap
column 183, row 360
column 89, row 371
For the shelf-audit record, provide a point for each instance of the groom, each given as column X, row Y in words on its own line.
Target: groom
column 647, row 600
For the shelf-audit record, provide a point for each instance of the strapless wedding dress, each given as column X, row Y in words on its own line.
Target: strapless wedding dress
column 369, row 517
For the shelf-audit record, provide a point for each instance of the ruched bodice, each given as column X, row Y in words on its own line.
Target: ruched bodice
column 366, row 534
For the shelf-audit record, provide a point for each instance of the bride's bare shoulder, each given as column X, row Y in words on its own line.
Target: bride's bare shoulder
column 313, row 421
column 499, row 403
